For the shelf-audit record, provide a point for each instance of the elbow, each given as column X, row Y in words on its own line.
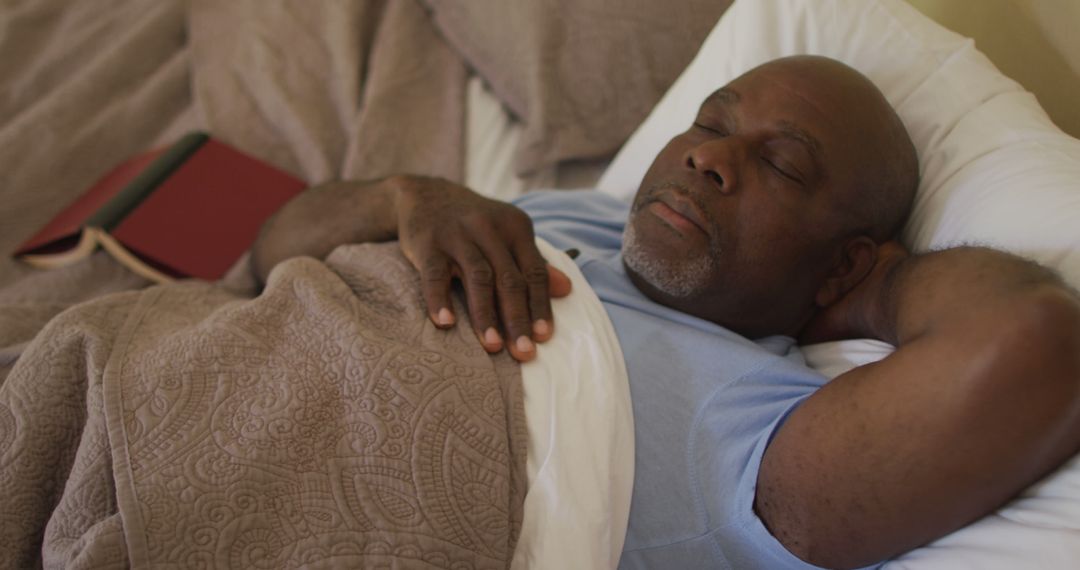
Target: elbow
column 1051, row 325
column 1034, row 360
column 1041, row 329
column 1020, row 325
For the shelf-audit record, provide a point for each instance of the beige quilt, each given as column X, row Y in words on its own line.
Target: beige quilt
column 326, row 423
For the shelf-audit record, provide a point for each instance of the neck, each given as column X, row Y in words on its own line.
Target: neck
column 752, row 324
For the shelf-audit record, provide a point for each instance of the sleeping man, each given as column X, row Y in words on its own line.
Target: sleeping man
column 772, row 217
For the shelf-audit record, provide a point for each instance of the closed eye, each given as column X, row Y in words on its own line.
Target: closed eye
column 783, row 172
column 709, row 129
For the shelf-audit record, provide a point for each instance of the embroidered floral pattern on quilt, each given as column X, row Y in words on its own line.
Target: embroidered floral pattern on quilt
column 325, row 423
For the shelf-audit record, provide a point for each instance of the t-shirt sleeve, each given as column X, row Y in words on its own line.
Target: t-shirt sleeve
column 748, row 542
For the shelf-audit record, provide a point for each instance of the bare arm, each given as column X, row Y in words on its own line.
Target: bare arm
column 448, row 232
column 324, row 217
column 981, row 399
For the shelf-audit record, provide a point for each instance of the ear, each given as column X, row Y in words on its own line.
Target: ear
column 855, row 261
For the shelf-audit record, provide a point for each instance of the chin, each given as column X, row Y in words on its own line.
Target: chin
column 661, row 273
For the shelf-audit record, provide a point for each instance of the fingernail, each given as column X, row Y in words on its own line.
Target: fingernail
column 491, row 337
column 541, row 328
column 524, row 344
column 445, row 317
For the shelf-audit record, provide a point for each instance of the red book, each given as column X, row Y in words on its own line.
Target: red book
column 187, row 211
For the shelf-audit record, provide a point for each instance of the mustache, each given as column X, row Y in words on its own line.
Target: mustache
column 653, row 194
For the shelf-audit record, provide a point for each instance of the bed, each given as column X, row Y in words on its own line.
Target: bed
column 331, row 92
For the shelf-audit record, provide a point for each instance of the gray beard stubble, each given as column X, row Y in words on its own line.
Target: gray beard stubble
column 675, row 278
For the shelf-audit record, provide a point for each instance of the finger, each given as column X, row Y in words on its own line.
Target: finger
column 479, row 281
column 435, row 280
column 512, row 294
column 535, row 271
column 559, row 284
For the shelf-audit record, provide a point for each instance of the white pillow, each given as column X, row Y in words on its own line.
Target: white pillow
column 995, row 171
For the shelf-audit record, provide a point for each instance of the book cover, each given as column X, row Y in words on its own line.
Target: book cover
column 188, row 211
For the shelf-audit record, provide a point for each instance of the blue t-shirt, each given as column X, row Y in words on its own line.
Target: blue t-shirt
column 706, row 403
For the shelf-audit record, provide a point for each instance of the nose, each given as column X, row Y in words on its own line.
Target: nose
column 715, row 160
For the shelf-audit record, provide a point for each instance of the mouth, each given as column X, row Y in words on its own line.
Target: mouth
column 679, row 211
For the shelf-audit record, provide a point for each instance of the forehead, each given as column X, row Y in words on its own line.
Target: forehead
column 816, row 91
column 724, row 102
column 815, row 112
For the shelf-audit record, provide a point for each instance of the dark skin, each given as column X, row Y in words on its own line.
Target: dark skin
column 448, row 233
column 980, row 399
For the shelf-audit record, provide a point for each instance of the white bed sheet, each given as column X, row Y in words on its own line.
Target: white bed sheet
column 580, row 460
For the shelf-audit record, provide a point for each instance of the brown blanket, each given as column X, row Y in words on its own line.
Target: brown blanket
column 325, row 423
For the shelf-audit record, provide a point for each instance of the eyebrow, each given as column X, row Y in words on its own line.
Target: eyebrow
column 793, row 131
column 724, row 96
column 728, row 96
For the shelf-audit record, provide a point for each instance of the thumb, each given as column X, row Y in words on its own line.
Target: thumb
column 558, row 283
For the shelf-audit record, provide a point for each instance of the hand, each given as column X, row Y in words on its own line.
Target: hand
column 858, row 314
column 449, row 232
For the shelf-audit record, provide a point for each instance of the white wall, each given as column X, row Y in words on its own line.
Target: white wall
column 1036, row 42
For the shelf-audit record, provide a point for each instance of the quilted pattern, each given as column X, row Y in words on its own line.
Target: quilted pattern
column 326, row 422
